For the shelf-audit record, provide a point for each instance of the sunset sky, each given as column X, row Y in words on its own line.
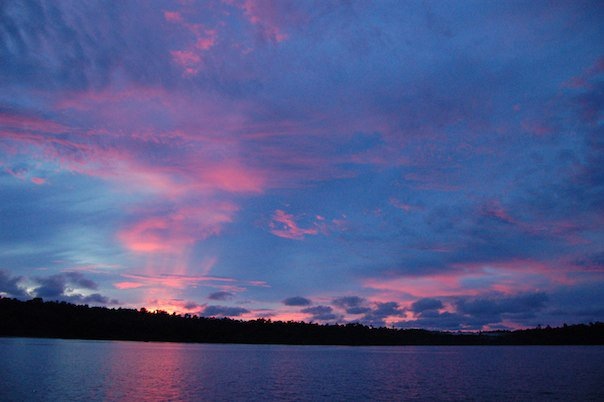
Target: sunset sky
column 434, row 164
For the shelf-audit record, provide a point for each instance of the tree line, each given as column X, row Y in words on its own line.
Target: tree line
column 53, row 319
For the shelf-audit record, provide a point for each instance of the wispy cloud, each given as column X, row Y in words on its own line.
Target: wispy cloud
column 284, row 225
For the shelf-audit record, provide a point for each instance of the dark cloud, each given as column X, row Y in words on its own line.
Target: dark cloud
column 352, row 304
column 376, row 316
column 426, row 304
column 55, row 45
column 224, row 311
column 10, row 285
column 574, row 304
column 78, row 279
column 320, row 313
column 64, row 287
column 95, row 298
column 57, row 285
column 386, row 309
column 475, row 313
column 532, row 222
column 265, row 315
column 495, row 307
column 191, row 305
column 590, row 103
column 358, row 310
column 297, row 301
column 220, row 296
column 348, row 301
column 592, row 262
column 443, row 321
column 52, row 286
column 317, row 310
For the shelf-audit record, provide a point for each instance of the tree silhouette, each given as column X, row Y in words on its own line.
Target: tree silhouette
column 36, row 318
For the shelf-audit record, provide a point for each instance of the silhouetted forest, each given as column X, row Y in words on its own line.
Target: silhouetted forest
column 36, row 318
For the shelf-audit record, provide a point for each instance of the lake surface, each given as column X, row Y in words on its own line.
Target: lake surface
column 71, row 370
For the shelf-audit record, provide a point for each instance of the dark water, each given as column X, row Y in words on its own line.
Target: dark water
column 71, row 370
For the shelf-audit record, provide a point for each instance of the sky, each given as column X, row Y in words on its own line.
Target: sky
column 432, row 164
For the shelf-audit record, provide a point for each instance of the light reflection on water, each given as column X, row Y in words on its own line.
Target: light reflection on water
column 62, row 370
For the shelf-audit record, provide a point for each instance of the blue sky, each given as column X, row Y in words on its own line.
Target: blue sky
column 410, row 164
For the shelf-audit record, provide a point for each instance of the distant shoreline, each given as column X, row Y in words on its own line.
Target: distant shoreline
column 296, row 344
column 39, row 319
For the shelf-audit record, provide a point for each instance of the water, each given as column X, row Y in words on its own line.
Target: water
column 72, row 370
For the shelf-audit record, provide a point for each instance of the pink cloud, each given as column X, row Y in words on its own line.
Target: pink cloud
column 597, row 68
column 189, row 157
column 174, row 232
column 188, row 60
column 127, row 285
column 494, row 209
column 205, row 43
column 401, row 205
column 537, row 128
column 129, row 111
column 563, row 229
column 207, row 170
column 265, row 16
column 521, row 273
column 171, row 305
column 416, row 287
column 149, row 236
column 157, row 284
column 234, row 178
column 576, row 83
column 284, row 225
column 583, row 80
column 154, row 115
column 221, row 142
column 24, row 174
column 185, row 58
column 202, row 39
column 18, row 174
column 164, row 281
column 10, row 122
column 173, row 16
column 261, row 284
column 38, row 180
column 475, row 279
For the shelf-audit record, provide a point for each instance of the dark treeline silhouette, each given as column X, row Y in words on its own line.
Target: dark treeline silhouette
column 36, row 318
